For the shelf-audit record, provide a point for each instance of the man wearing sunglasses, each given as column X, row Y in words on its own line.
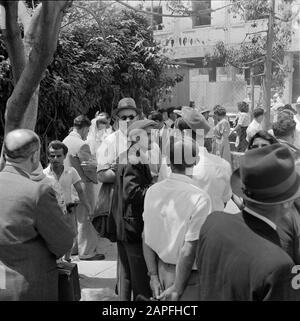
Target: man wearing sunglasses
column 116, row 143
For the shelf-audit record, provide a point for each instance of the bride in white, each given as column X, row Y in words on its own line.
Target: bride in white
column 99, row 130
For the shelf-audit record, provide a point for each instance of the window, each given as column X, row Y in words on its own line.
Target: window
column 157, row 20
column 203, row 19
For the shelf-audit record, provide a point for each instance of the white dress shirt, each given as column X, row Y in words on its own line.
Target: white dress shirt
column 67, row 179
column 297, row 131
column 174, row 211
column 212, row 174
column 252, row 129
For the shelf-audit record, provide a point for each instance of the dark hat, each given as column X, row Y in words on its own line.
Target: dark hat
column 267, row 176
column 194, row 119
column 141, row 124
column 126, row 103
column 136, row 127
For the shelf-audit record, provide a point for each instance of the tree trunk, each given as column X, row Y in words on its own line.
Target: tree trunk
column 29, row 61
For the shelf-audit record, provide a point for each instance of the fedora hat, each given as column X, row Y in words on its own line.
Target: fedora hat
column 194, row 119
column 125, row 103
column 204, row 110
column 267, row 176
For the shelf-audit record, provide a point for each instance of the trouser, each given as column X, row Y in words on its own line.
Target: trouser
column 166, row 274
column 208, row 144
column 87, row 238
column 70, row 219
column 132, row 271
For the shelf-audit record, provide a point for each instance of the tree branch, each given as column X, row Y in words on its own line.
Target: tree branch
column 13, row 39
column 32, row 30
column 39, row 58
column 91, row 13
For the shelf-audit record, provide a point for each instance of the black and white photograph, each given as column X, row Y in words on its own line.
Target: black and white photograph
column 150, row 154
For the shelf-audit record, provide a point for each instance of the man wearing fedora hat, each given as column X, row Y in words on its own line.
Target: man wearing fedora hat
column 117, row 142
column 133, row 178
column 240, row 256
column 209, row 136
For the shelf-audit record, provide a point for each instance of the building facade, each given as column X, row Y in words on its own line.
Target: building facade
column 190, row 40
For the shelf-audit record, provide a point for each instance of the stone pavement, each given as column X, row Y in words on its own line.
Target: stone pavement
column 98, row 278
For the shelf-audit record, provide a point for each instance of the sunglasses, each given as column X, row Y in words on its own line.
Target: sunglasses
column 258, row 146
column 131, row 117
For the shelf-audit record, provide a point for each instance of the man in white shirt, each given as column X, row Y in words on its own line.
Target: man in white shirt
column 79, row 157
column 174, row 211
column 66, row 177
column 117, row 142
column 212, row 173
column 209, row 136
column 256, row 124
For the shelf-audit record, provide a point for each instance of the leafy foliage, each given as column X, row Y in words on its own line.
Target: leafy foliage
column 94, row 67
column 255, row 45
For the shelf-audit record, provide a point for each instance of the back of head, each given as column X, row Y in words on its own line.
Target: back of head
column 20, row 144
column 81, row 122
column 243, row 107
column 258, row 112
column 284, row 127
column 182, row 152
column 219, row 110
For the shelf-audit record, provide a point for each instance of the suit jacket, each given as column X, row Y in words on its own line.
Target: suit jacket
column 131, row 184
column 33, row 235
column 239, row 257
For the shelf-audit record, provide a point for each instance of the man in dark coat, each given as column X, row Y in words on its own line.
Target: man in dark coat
column 33, row 233
column 133, row 178
column 240, row 256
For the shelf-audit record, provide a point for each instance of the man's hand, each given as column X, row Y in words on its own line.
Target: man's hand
column 170, row 294
column 155, row 286
column 89, row 210
column 89, row 166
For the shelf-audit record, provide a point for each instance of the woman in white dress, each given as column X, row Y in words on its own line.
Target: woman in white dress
column 99, row 130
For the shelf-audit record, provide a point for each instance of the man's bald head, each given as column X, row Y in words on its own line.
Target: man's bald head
column 20, row 144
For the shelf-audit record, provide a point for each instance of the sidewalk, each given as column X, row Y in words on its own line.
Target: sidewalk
column 98, row 278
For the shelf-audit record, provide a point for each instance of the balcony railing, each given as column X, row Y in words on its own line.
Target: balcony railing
column 198, row 42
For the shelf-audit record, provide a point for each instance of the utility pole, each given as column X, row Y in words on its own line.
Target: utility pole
column 252, row 89
column 268, row 67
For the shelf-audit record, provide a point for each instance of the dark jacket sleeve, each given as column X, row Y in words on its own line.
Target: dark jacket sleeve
column 137, row 180
column 279, row 286
column 50, row 224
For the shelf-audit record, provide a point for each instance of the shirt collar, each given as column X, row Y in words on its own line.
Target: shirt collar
column 16, row 165
column 182, row 178
column 256, row 122
column 48, row 170
column 75, row 135
column 261, row 217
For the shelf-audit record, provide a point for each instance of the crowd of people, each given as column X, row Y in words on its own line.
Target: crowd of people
column 158, row 186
